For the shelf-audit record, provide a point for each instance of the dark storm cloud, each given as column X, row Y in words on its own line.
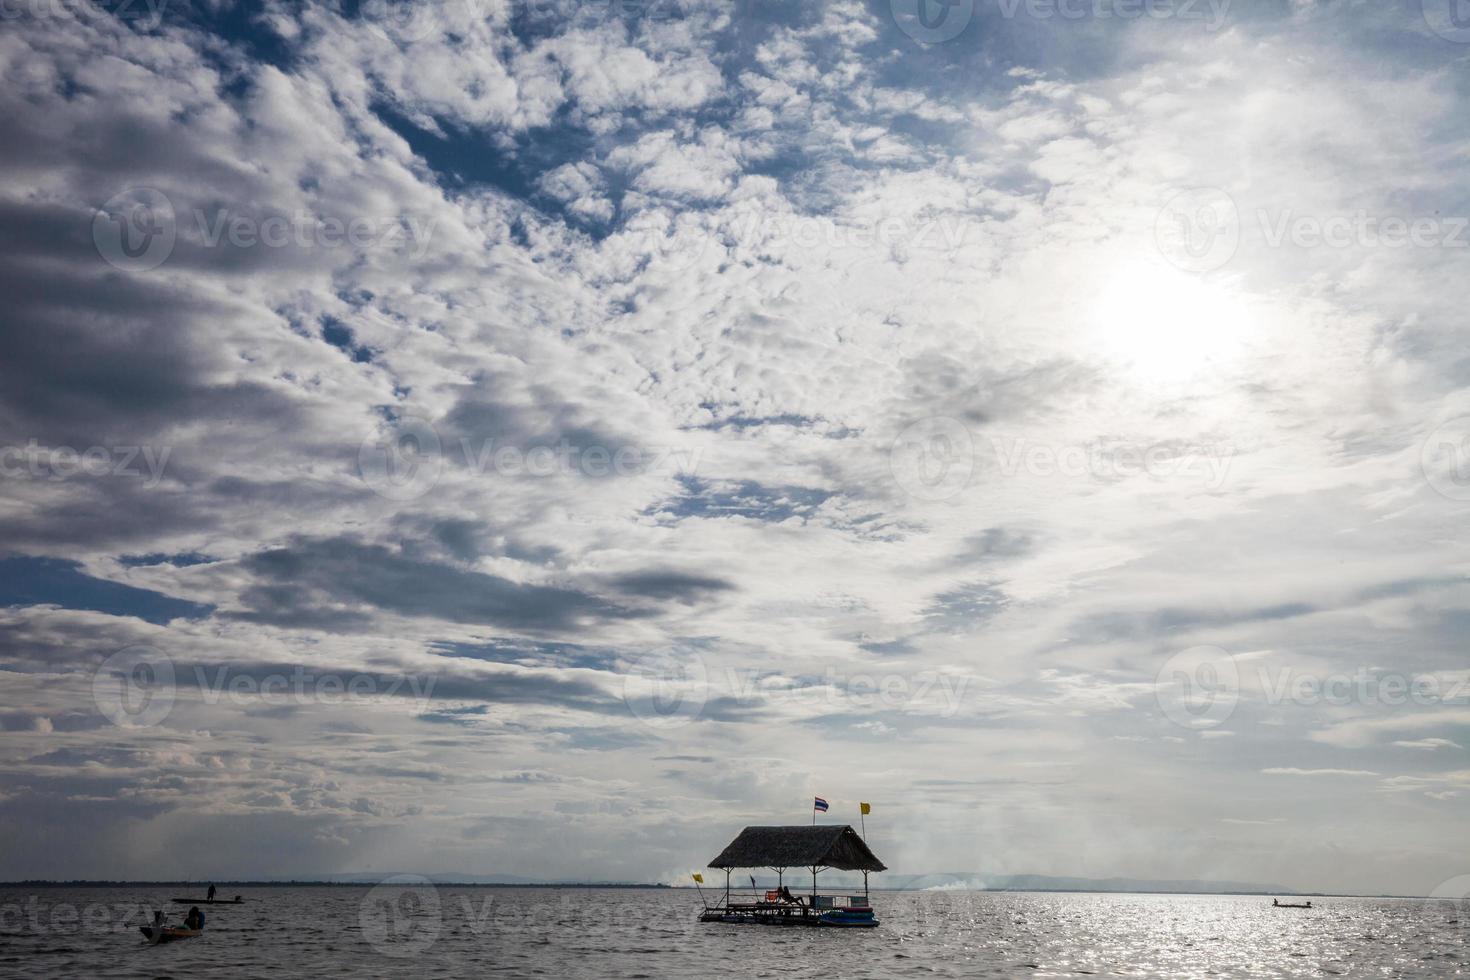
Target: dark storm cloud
column 668, row 584
column 94, row 356
column 1141, row 625
column 543, row 417
column 108, row 512
column 897, row 647
column 294, row 583
column 978, row 395
column 437, row 685
column 997, row 542
column 466, row 540
column 529, row 653
column 180, row 560
column 966, row 607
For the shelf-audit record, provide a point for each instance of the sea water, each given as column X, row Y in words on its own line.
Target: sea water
column 409, row 928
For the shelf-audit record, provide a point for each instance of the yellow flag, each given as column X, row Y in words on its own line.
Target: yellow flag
column 865, row 808
column 699, row 878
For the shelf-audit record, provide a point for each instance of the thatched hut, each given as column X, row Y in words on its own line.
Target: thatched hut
column 817, row 848
column 778, row 848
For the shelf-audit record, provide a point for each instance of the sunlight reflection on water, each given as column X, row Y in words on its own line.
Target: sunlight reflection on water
column 327, row 932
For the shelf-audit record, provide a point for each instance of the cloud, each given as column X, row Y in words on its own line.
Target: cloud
column 1428, row 744
column 331, row 581
column 755, row 250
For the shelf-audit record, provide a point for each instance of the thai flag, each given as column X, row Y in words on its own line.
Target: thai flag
column 820, row 804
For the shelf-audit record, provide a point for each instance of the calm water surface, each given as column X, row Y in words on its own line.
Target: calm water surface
column 413, row 930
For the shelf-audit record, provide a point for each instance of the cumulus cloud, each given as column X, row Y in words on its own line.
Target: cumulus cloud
column 871, row 400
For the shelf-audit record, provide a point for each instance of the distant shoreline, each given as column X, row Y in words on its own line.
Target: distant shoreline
column 304, row 883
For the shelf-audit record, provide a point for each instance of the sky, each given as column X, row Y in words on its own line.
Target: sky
column 541, row 438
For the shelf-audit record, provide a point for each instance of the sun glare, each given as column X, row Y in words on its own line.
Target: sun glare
column 1168, row 325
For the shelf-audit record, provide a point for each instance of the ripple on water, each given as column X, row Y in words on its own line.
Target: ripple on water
column 346, row 932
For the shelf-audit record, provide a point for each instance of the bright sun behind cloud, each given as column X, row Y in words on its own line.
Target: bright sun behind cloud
column 1169, row 326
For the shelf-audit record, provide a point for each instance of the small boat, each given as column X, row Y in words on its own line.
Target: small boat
column 237, row 900
column 1290, row 905
column 167, row 934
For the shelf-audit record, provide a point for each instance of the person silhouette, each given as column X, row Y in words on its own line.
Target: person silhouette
column 210, row 896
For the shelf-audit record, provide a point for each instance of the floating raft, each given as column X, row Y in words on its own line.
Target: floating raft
column 815, row 849
column 858, row 915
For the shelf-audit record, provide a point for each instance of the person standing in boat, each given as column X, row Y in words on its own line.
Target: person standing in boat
column 210, row 896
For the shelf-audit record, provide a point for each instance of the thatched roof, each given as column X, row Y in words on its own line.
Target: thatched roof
column 824, row 846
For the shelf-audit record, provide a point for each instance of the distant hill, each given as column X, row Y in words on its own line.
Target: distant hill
column 831, row 881
column 978, row 881
column 959, row 881
column 1051, row 883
